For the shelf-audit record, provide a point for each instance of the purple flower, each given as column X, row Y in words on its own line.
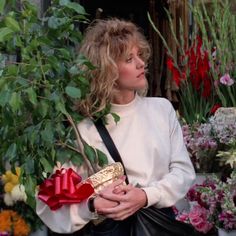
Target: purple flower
column 226, row 80
column 229, row 219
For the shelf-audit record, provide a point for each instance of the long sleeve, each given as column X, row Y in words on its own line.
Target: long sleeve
column 68, row 218
column 150, row 142
column 175, row 184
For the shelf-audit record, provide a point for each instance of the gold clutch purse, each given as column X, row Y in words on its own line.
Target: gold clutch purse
column 106, row 176
column 102, row 178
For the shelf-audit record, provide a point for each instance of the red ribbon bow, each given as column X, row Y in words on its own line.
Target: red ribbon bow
column 64, row 187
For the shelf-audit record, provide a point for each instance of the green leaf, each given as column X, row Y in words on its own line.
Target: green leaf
column 74, row 70
column 29, row 166
column 32, row 95
column 102, row 158
column 5, row 97
column 115, row 117
column 63, row 155
column 65, row 53
column 2, row 5
column 61, row 107
column 55, row 22
column 77, row 159
column 73, row 92
column 84, row 81
column 76, row 7
column 4, row 32
column 11, row 152
column 15, row 101
column 23, row 82
column 30, row 187
column 43, row 108
column 46, row 165
column 73, row 5
column 12, row 24
column 12, row 70
column 47, row 134
column 90, row 153
column 63, row 2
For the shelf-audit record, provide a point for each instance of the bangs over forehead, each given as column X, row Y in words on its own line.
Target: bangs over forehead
column 116, row 38
column 124, row 40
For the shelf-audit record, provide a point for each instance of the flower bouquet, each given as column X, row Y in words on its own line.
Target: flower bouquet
column 213, row 143
column 213, row 205
column 16, row 217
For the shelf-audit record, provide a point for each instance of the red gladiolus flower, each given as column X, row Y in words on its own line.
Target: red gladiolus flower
column 214, row 108
column 198, row 66
column 177, row 76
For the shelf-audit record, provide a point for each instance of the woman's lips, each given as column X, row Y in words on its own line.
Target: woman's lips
column 141, row 75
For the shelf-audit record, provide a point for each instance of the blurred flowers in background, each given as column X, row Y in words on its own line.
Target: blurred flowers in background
column 213, row 205
column 11, row 223
column 16, row 217
column 13, row 190
column 213, row 143
column 192, row 75
column 204, row 64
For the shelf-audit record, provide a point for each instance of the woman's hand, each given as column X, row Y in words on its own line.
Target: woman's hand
column 100, row 202
column 129, row 199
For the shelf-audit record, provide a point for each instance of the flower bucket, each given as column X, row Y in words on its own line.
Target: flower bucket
column 222, row 232
column 40, row 232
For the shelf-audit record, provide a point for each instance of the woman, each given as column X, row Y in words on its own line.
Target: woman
column 147, row 136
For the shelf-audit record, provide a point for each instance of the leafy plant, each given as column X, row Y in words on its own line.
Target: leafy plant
column 40, row 80
column 204, row 68
column 218, row 29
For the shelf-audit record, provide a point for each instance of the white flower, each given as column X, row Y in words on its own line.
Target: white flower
column 8, row 199
column 18, row 193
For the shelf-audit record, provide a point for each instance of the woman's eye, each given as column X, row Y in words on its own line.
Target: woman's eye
column 140, row 55
column 129, row 59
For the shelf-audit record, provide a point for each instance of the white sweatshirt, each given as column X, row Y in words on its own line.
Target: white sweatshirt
column 150, row 142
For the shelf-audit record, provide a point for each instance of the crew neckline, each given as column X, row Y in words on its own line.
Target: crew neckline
column 125, row 109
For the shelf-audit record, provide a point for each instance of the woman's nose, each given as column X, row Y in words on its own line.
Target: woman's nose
column 140, row 63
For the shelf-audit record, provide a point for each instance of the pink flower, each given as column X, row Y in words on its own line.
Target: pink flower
column 198, row 217
column 183, row 217
column 225, row 79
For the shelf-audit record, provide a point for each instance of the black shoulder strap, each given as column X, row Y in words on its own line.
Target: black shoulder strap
column 102, row 130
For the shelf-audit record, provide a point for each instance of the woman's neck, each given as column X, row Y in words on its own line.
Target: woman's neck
column 123, row 98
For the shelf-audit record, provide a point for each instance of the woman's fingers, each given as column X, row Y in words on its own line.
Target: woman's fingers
column 119, row 212
column 118, row 193
column 129, row 203
column 104, row 203
column 122, row 189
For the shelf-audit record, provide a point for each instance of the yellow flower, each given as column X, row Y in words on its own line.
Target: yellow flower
column 14, row 179
column 8, row 187
column 10, row 180
column 13, row 223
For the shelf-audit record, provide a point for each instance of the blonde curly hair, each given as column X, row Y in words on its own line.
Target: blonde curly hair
column 104, row 43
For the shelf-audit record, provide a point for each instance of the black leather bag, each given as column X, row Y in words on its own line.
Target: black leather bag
column 152, row 221
column 147, row 221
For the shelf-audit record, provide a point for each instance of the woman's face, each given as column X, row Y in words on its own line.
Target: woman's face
column 131, row 72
